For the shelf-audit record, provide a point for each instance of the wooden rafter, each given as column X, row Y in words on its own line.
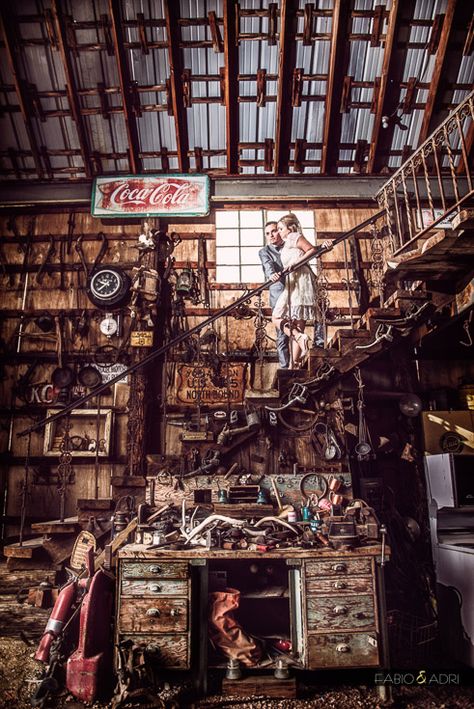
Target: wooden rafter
column 286, row 66
column 8, row 34
column 387, row 68
column 125, row 86
column 176, row 84
column 231, row 86
column 447, row 62
column 388, row 103
column 71, row 87
column 338, row 62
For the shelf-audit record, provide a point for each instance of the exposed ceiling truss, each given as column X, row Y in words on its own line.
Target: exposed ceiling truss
column 332, row 87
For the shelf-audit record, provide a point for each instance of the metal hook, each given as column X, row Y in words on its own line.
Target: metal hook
column 466, row 325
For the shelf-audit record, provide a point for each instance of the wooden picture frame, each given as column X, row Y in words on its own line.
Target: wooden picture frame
column 82, row 438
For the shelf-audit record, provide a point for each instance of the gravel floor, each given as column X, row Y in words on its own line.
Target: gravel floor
column 19, row 672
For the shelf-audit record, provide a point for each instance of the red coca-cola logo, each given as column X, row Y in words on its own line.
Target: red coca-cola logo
column 150, row 195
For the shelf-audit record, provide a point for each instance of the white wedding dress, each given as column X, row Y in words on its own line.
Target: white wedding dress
column 298, row 300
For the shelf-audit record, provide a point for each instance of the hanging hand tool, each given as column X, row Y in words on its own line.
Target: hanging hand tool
column 24, row 246
column 3, row 266
column 98, row 259
column 48, row 255
column 202, row 271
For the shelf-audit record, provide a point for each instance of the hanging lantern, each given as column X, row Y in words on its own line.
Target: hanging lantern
column 185, row 282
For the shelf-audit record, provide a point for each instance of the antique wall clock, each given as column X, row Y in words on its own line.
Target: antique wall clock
column 108, row 286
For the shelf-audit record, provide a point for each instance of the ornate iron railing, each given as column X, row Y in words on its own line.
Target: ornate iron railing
column 430, row 187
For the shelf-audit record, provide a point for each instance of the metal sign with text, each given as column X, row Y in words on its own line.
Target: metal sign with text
column 151, row 195
column 195, row 384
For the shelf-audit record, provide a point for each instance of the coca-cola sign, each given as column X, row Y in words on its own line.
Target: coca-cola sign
column 151, row 195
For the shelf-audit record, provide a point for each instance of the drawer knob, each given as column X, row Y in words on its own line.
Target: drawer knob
column 153, row 613
column 340, row 585
column 339, row 568
column 340, row 610
column 343, row 648
column 155, row 588
column 156, row 569
column 174, row 612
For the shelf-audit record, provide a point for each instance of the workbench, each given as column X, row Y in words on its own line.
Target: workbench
column 328, row 603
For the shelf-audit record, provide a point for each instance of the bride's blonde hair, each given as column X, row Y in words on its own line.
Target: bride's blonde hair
column 291, row 222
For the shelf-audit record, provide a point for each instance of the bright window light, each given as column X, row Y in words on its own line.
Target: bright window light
column 240, row 236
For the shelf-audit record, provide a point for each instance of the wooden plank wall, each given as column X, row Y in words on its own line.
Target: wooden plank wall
column 23, row 299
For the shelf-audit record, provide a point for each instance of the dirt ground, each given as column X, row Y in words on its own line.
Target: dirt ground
column 19, row 673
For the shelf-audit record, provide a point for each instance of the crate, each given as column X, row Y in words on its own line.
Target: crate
column 413, row 640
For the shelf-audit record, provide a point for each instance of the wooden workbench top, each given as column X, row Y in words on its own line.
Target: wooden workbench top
column 140, row 551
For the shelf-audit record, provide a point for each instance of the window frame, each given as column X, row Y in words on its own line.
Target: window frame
column 267, row 215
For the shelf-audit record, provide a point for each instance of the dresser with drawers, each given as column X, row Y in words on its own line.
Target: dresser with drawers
column 335, row 603
column 341, row 613
column 153, row 608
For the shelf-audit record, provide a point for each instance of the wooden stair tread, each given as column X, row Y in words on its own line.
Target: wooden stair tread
column 382, row 313
column 261, row 395
column 405, row 297
column 68, row 526
column 26, row 551
column 448, row 254
column 343, row 337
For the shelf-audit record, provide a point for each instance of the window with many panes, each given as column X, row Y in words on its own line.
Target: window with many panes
column 240, row 236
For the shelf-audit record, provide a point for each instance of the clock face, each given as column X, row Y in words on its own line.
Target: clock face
column 105, row 283
column 108, row 286
column 108, row 326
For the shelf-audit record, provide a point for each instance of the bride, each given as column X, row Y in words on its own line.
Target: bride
column 296, row 305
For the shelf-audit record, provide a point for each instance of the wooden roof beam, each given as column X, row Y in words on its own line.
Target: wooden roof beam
column 231, row 86
column 387, row 96
column 338, row 64
column 9, row 33
column 286, row 66
column 447, row 62
column 386, row 79
column 176, row 84
column 71, row 87
column 125, row 86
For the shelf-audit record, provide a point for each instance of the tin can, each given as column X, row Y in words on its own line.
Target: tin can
column 292, row 516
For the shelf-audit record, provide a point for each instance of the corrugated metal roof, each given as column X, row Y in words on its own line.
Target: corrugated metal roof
column 41, row 67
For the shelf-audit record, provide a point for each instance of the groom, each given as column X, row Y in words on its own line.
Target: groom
column 271, row 263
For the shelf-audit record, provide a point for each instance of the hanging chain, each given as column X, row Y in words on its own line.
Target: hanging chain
column 364, row 445
column 65, row 472
column 198, row 377
column 322, row 302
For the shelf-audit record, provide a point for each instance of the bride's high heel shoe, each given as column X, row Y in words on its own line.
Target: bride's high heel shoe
column 303, row 343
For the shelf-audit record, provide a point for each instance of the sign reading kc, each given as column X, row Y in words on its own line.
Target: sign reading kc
column 151, row 195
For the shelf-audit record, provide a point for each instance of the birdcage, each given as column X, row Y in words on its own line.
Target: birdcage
column 412, row 639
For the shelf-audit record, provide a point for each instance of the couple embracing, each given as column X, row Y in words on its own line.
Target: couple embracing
column 293, row 300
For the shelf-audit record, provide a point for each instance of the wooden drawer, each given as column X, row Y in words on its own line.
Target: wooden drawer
column 158, row 587
column 332, row 586
column 343, row 650
column 334, row 612
column 172, row 651
column 339, row 567
column 155, row 569
column 148, row 615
